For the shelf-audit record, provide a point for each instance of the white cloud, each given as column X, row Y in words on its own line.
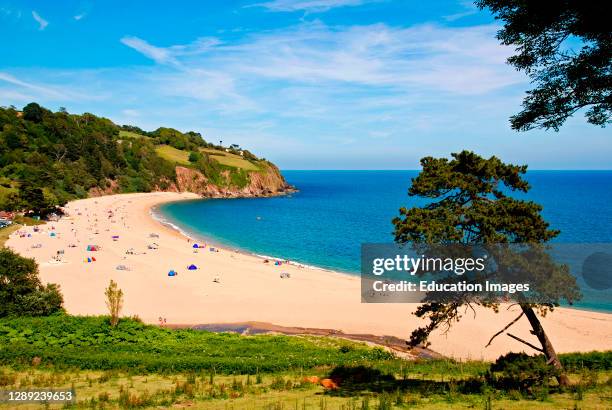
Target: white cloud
column 169, row 55
column 59, row 88
column 160, row 55
column 469, row 10
column 42, row 23
column 312, row 86
column 311, row 6
column 130, row 112
column 457, row 60
column 464, row 60
column 47, row 92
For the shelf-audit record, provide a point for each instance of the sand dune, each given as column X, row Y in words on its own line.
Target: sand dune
column 235, row 287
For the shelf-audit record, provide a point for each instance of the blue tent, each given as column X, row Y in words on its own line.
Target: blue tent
column 196, row 246
column 192, row 267
column 172, row 273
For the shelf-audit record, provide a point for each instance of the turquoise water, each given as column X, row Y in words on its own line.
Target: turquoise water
column 334, row 212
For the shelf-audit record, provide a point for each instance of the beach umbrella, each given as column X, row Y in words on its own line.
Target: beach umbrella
column 192, row 267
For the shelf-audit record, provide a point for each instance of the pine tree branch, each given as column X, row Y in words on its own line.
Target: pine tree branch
column 504, row 329
column 525, row 342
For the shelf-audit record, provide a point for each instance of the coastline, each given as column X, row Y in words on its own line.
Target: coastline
column 248, row 289
column 156, row 214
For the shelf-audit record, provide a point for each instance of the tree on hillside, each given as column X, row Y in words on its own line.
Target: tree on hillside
column 469, row 205
column 33, row 199
column 565, row 47
column 21, row 292
column 33, row 112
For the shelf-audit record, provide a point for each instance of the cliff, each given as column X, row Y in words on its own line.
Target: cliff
column 265, row 182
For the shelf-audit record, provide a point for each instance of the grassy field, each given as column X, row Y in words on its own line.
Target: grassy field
column 173, row 155
column 6, row 232
column 17, row 223
column 140, row 366
column 229, row 159
column 130, row 135
column 224, row 158
column 112, row 390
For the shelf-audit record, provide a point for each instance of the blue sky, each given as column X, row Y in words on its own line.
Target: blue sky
column 308, row 84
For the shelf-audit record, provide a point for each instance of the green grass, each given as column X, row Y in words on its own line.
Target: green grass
column 173, row 155
column 90, row 343
column 224, row 158
column 230, row 160
column 6, row 232
column 130, row 135
column 283, row 390
column 205, row 390
column 18, row 222
column 140, row 366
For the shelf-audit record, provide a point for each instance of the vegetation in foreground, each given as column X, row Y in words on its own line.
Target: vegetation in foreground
column 133, row 365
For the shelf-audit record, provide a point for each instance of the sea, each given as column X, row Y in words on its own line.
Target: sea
column 334, row 212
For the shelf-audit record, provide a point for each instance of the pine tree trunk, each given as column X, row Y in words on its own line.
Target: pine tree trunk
column 547, row 347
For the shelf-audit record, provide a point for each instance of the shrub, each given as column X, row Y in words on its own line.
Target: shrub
column 521, row 371
column 194, row 156
column 114, row 302
column 22, row 293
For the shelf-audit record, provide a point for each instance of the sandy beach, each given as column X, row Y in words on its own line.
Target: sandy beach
column 232, row 287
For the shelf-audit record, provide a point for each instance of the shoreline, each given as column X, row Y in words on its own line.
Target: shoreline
column 155, row 214
column 249, row 290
